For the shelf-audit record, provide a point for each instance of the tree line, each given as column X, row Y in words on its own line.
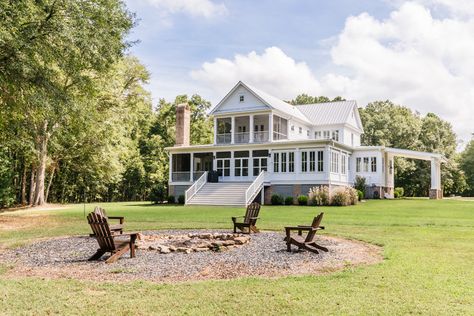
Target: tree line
column 77, row 123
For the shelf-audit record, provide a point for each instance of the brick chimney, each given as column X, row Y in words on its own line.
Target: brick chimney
column 183, row 124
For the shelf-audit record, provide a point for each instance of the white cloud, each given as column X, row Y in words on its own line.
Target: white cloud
column 203, row 8
column 273, row 71
column 412, row 58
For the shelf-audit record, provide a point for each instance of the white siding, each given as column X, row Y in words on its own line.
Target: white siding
column 233, row 104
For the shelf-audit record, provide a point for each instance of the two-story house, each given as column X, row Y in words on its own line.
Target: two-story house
column 263, row 146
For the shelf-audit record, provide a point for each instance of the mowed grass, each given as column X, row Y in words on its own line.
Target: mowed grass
column 428, row 267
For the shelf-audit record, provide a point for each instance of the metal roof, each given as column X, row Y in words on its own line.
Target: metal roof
column 328, row 113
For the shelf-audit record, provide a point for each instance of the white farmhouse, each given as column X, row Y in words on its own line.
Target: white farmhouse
column 263, row 145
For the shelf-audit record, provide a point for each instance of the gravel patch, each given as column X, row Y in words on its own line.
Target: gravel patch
column 265, row 255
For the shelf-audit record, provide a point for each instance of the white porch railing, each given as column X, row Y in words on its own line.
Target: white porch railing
column 195, row 187
column 253, row 189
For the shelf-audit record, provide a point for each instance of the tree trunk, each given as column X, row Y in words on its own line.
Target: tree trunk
column 32, row 185
column 23, row 185
column 41, row 170
column 51, row 176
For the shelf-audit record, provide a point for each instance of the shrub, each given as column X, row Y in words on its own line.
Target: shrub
column 344, row 196
column 319, row 196
column 353, row 195
column 171, row 199
column 289, row 200
column 360, row 195
column 396, row 194
column 400, row 192
column 302, row 200
column 157, row 194
column 181, row 199
column 277, row 199
column 360, row 184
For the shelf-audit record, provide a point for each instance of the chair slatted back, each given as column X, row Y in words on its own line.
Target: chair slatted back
column 100, row 211
column 252, row 211
column 316, row 223
column 100, row 228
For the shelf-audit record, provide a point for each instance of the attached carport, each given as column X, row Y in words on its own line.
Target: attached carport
column 436, row 191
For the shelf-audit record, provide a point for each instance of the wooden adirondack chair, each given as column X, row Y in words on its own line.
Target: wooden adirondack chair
column 250, row 219
column 109, row 242
column 115, row 229
column 307, row 242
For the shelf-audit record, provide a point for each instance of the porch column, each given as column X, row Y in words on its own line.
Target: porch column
column 251, row 128
column 232, row 165
column 298, row 161
column 214, row 164
column 215, row 130
column 170, row 176
column 191, row 168
column 270, row 127
column 389, row 175
column 232, row 130
column 435, row 191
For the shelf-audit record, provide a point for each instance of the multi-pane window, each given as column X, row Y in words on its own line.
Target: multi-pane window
column 334, row 162
column 301, row 130
column 312, row 161
column 291, row 162
column 317, row 135
column 343, row 164
column 241, row 167
column 276, row 162
column 373, row 164
column 326, row 134
column 304, row 161
column 335, row 135
column 366, row 164
column 320, row 161
column 284, row 161
column 358, row 163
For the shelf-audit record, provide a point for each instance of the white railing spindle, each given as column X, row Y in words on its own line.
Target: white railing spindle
column 253, row 189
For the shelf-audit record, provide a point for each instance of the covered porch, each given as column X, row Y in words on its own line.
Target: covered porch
column 253, row 128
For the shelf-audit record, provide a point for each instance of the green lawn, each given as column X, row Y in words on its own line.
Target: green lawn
column 428, row 266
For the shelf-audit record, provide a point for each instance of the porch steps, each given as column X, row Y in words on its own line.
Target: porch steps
column 222, row 193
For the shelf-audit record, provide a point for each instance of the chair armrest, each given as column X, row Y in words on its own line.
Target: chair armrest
column 288, row 228
column 305, row 226
column 120, row 218
column 128, row 234
column 254, row 217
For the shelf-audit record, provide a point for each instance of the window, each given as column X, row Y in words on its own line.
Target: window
column 335, row 135
column 241, row 167
column 326, row 134
column 373, row 164
column 343, row 164
column 284, row 161
column 301, row 130
column 280, row 128
column 304, row 161
column 291, row 162
column 352, row 139
column 383, row 165
column 312, row 161
column 366, row 164
column 307, row 132
column 276, row 163
column 317, row 135
column 241, row 98
column 334, row 162
column 358, row 162
column 292, row 128
column 259, row 165
column 320, row 161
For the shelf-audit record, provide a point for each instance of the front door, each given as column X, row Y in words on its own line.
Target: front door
column 223, row 168
column 241, row 167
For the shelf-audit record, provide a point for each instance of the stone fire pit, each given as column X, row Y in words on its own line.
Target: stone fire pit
column 192, row 242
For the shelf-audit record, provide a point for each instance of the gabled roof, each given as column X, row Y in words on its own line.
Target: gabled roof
column 269, row 100
column 331, row 113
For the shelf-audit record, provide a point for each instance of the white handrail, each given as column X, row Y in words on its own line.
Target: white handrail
column 195, row 187
column 254, row 188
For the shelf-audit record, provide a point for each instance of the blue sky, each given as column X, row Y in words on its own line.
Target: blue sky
column 360, row 49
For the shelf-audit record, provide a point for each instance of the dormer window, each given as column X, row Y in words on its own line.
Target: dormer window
column 241, row 98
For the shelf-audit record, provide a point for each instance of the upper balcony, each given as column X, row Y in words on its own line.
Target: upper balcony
column 249, row 129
